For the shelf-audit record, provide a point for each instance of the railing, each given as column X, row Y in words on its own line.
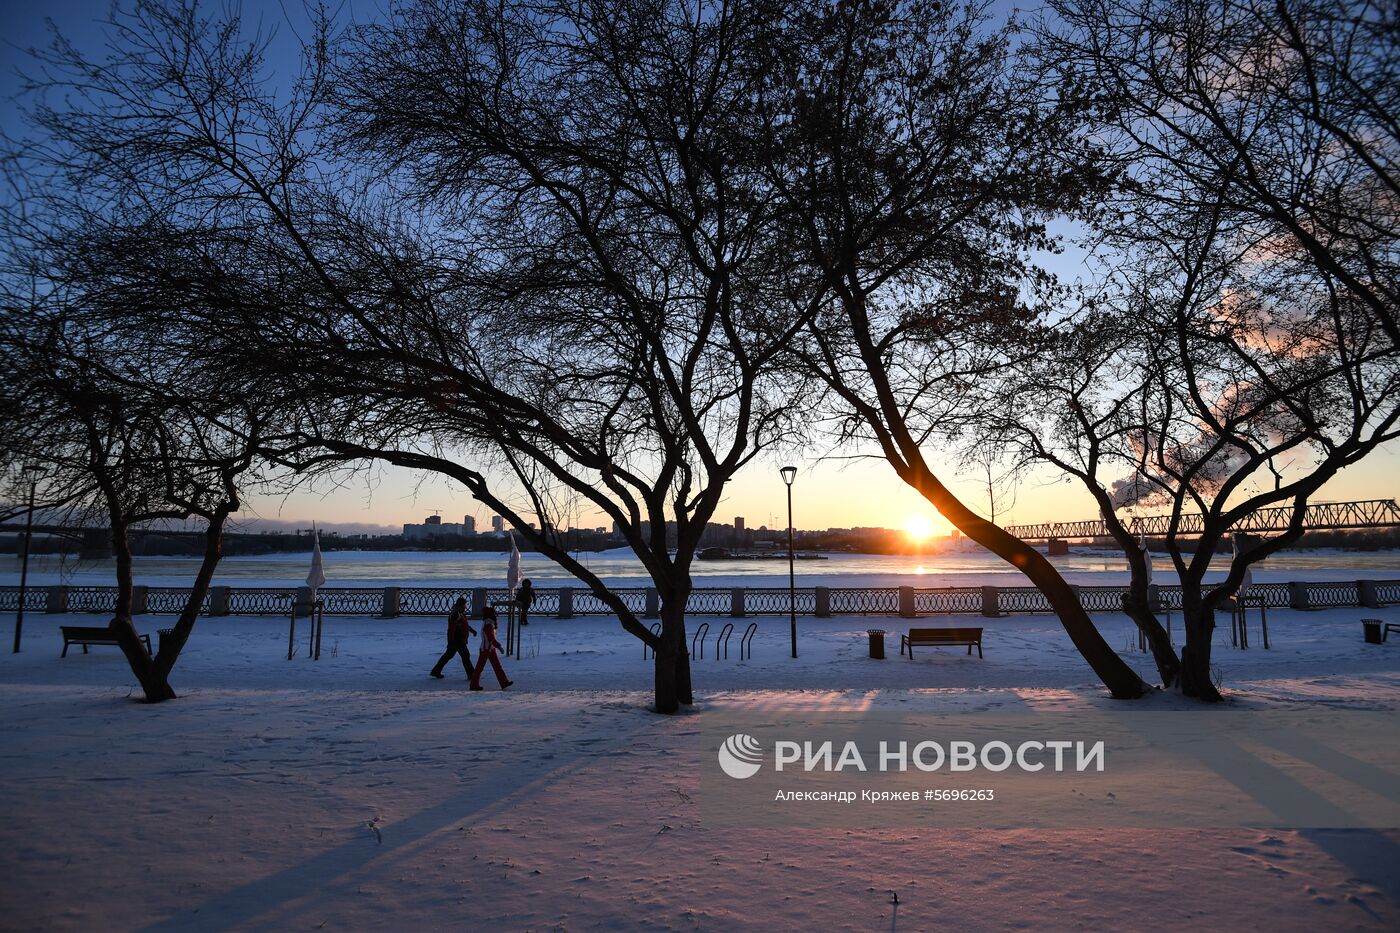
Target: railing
column 1326, row 595
column 866, row 601
column 362, row 601
column 772, row 601
column 956, row 599
column 170, row 600
column 709, row 603
column 587, row 604
column 92, row 599
column 706, row 601
column 259, row 602
column 35, row 599
column 425, row 601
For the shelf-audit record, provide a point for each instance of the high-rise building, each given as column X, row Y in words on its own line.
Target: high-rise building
column 469, row 524
column 497, row 523
column 739, row 523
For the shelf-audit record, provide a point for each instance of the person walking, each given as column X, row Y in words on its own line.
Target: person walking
column 525, row 598
column 487, row 652
column 458, row 628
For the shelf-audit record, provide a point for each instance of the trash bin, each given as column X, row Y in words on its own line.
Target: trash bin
column 1372, row 628
column 877, row 642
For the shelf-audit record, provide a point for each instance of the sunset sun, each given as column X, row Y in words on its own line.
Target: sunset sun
column 918, row 528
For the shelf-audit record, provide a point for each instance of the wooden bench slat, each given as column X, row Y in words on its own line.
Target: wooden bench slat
column 939, row 637
column 92, row 635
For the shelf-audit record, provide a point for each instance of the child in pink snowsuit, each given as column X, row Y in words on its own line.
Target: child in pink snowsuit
column 489, row 647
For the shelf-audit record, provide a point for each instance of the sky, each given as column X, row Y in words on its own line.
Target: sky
column 827, row 494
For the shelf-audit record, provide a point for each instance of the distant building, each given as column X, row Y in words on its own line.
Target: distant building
column 434, row 527
column 469, row 523
column 739, row 524
column 498, row 524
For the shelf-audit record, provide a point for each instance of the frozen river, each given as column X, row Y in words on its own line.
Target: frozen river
column 620, row 568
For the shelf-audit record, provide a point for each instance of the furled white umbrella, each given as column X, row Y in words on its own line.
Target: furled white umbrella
column 1147, row 556
column 513, row 570
column 317, row 577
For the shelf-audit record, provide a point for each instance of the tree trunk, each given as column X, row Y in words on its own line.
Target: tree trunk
column 673, row 686
column 1135, row 605
column 1120, row 679
column 170, row 647
column 1195, row 654
column 667, row 668
column 153, row 682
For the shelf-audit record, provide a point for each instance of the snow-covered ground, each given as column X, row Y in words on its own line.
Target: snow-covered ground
column 356, row 793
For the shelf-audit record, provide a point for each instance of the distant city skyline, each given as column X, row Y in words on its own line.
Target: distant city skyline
column 827, row 494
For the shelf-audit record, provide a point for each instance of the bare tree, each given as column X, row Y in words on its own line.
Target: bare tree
column 1284, row 112
column 916, row 165
column 524, row 248
column 122, row 452
column 1245, row 350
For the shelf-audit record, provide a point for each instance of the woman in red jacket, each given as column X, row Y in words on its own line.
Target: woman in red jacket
column 489, row 647
column 458, row 628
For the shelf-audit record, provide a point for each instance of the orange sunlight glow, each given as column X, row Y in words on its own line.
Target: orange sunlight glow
column 918, row 528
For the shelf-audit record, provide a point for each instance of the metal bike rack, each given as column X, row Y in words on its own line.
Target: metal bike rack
column 655, row 630
column 700, row 633
column 746, row 642
column 723, row 639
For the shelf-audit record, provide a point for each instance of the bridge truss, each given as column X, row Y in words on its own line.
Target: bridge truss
column 1367, row 513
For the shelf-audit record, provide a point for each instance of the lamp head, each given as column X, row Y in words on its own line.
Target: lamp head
column 789, row 474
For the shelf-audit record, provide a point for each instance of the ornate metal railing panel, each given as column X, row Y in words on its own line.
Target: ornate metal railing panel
column 259, row 602
column 170, row 600
column 960, row 599
column 777, row 601
column 92, row 599
column 426, row 601
column 709, row 602
column 587, row 604
column 1102, row 598
column 1022, row 599
column 864, row 601
column 1332, row 594
column 35, row 599
column 1277, row 595
column 358, row 601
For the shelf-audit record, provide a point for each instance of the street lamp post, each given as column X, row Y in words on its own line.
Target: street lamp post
column 32, row 473
column 789, row 474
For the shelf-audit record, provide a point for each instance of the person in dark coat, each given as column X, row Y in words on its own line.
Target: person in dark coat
column 489, row 647
column 525, row 598
column 458, row 628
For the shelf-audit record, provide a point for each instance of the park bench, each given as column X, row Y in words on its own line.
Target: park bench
column 1390, row 627
column 92, row 635
column 940, row 637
